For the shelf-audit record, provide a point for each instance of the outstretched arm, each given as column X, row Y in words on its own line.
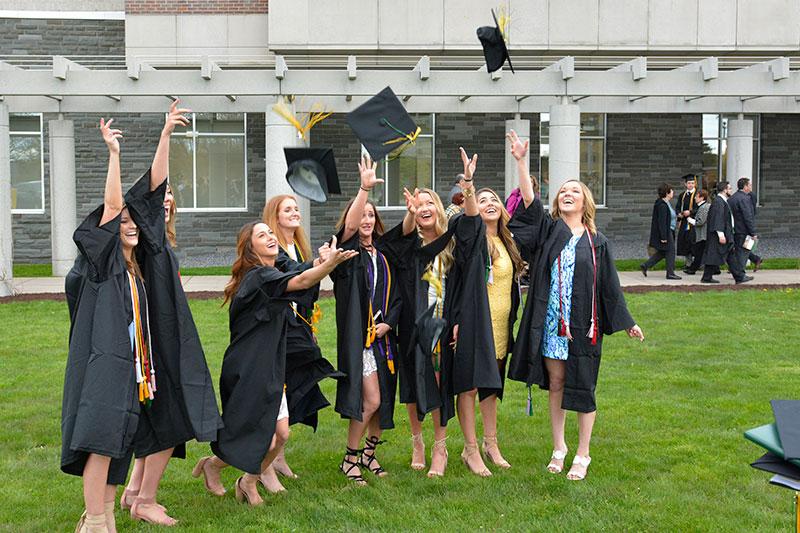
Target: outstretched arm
column 160, row 167
column 314, row 275
column 520, row 152
column 368, row 180
column 412, row 204
column 112, row 203
column 470, row 202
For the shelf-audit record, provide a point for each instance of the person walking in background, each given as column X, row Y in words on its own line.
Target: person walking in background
column 662, row 232
column 719, row 248
column 755, row 259
column 684, row 206
column 700, row 223
column 456, row 199
column 744, row 221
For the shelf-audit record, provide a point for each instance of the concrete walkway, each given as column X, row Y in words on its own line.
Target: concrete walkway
column 627, row 279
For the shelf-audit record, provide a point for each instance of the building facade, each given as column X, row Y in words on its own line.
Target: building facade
column 229, row 161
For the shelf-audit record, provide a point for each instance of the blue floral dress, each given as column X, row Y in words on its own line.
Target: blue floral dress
column 553, row 346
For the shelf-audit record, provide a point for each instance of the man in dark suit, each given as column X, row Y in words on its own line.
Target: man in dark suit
column 752, row 256
column 662, row 232
column 744, row 222
column 719, row 240
column 685, row 207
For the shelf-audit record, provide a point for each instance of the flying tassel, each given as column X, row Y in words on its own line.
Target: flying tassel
column 502, row 21
column 306, row 120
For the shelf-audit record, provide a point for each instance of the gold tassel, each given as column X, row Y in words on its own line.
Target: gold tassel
column 306, row 120
column 391, row 366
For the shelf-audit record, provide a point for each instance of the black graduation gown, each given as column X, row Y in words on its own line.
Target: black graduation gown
column 547, row 237
column 417, row 376
column 305, row 365
column 350, row 287
column 685, row 231
column 719, row 219
column 252, row 378
column 473, row 364
column 187, row 407
column 100, row 406
column 659, row 225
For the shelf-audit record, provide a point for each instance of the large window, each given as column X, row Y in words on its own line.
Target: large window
column 592, row 156
column 715, row 150
column 207, row 164
column 414, row 168
column 27, row 176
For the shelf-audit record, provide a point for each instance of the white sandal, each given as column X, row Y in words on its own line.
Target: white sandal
column 558, row 455
column 580, row 461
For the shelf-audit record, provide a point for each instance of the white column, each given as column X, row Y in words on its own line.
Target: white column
column 523, row 131
column 62, row 195
column 6, row 240
column 740, row 151
column 565, row 145
column 280, row 134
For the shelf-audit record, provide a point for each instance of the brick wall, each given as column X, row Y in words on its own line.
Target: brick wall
column 643, row 151
column 195, row 7
column 780, row 176
column 62, row 37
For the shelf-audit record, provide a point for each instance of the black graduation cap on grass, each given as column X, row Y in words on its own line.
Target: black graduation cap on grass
column 494, row 46
column 312, row 172
column 787, row 419
column 382, row 124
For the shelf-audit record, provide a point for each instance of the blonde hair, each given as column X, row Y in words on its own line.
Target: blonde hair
column 445, row 256
column 270, row 218
column 379, row 229
column 170, row 226
column 504, row 233
column 589, row 207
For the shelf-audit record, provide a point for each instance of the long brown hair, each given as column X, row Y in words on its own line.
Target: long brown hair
column 589, row 207
column 173, row 211
column 446, row 255
column 270, row 218
column 248, row 258
column 379, row 228
column 504, row 233
column 132, row 265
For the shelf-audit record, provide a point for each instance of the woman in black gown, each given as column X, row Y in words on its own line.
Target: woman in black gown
column 253, row 369
column 109, row 379
column 561, row 337
column 368, row 308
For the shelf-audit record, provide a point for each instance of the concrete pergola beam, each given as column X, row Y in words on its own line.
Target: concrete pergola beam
column 708, row 66
column 778, row 66
column 637, row 67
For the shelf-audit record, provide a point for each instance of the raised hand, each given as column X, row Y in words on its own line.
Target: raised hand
column 412, row 200
column 111, row 137
column 339, row 256
column 518, row 150
column 367, row 170
column 174, row 118
column 469, row 165
column 324, row 251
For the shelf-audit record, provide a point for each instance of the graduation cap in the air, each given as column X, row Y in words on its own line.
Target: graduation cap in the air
column 781, row 439
column 494, row 46
column 312, row 172
column 429, row 329
column 382, row 124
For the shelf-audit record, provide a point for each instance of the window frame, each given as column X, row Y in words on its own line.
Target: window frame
column 756, row 117
column 194, row 134
column 385, row 163
column 11, row 133
column 603, row 137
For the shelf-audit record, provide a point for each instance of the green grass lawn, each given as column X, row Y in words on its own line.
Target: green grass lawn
column 668, row 452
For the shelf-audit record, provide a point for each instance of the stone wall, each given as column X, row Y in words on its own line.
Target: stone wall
column 780, row 176
column 61, row 37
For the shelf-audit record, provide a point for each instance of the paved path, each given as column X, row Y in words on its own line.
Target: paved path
column 627, row 279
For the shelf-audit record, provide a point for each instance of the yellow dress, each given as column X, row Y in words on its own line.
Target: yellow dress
column 500, row 297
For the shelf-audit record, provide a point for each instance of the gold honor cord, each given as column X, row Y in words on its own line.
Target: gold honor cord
column 410, row 137
column 316, row 314
column 436, row 281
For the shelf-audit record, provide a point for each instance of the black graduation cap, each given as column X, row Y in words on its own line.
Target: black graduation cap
column 775, row 464
column 382, row 124
column 429, row 329
column 494, row 46
column 787, row 418
column 688, row 177
column 312, row 172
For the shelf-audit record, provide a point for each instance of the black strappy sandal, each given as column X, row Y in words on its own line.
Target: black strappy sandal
column 369, row 446
column 356, row 478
